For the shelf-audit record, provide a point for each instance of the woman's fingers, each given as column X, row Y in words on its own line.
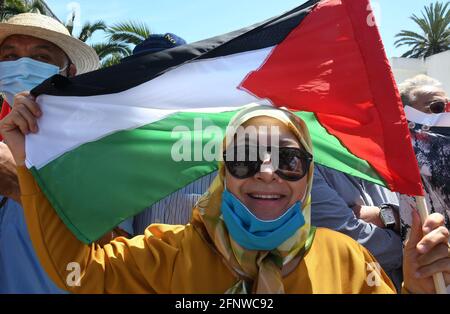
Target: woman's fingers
column 432, row 239
column 29, row 117
column 440, row 266
column 18, row 121
column 416, row 233
column 432, row 222
column 433, row 248
column 24, row 114
column 29, row 103
column 440, row 251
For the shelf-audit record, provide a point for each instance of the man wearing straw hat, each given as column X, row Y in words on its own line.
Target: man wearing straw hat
column 33, row 47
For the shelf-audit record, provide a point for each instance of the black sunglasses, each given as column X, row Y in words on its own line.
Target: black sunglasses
column 437, row 106
column 244, row 162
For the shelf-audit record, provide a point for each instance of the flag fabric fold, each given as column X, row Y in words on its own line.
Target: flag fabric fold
column 105, row 147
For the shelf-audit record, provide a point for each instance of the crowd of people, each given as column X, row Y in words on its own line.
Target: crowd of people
column 303, row 228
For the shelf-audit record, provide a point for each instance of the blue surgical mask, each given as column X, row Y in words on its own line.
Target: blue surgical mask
column 256, row 234
column 23, row 74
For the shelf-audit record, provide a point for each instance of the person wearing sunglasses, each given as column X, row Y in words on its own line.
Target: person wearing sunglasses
column 251, row 231
column 425, row 94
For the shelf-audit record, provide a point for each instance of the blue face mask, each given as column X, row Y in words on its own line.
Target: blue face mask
column 256, row 234
column 23, row 75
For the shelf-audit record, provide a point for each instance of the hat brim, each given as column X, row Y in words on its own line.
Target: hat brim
column 82, row 55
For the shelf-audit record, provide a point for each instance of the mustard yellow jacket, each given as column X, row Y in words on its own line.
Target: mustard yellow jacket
column 176, row 259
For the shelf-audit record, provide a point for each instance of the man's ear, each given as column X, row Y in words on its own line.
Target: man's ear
column 72, row 70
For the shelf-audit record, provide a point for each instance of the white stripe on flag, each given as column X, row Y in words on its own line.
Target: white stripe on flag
column 206, row 86
column 436, row 120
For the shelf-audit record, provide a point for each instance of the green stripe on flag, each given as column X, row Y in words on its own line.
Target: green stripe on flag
column 330, row 152
column 99, row 184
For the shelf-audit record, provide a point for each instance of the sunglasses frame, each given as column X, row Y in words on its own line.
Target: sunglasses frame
column 255, row 166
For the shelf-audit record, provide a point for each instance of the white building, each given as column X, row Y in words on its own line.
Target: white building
column 436, row 66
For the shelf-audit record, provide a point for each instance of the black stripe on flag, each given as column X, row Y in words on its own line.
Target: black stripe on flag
column 137, row 71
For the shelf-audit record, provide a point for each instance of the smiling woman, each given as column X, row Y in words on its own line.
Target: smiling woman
column 254, row 236
column 271, row 192
column 249, row 233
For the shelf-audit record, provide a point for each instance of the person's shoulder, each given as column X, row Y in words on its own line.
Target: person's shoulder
column 332, row 175
column 325, row 237
column 329, row 233
column 161, row 230
column 175, row 235
column 330, row 245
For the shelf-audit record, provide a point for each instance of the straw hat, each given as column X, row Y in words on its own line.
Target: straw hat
column 43, row 27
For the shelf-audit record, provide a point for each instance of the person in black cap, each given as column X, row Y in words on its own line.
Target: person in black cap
column 156, row 43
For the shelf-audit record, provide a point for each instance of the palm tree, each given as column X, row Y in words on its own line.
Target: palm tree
column 131, row 33
column 120, row 38
column 104, row 50
column 87, row 30
column 111, row 60
column 111, row 53
column 435, row 35
column 8, row 8
column 123, row 37
column 2, row 6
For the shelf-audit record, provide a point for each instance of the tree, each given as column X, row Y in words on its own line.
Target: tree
column 87, row 30
column 123, row 37
column 111, row 53
column 120, row 38
column 130, row 33
column 8, row 8
column 435, row 33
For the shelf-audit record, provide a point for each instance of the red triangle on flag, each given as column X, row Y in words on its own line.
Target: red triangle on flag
column 334, row 64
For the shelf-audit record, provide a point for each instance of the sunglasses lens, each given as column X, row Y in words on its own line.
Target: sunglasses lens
column 293, row 164
column 438, row 107
column 242, row 169
column 244, row 162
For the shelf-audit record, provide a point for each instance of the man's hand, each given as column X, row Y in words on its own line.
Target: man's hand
column 21, row 121
column 370, row 214
column 426, row 253
column 9, row 184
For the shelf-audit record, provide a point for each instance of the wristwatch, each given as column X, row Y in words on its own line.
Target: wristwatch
column 387, row 216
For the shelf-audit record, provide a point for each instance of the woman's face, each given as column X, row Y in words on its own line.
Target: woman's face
column 265, row 194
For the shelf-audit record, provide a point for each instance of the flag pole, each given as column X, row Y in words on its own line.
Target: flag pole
column 439, row 282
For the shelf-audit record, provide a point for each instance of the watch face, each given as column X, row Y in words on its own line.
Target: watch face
column 387, row 216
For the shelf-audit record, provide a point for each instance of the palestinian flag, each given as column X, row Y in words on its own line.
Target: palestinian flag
column 104, row 150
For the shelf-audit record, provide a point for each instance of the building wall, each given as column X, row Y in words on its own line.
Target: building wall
column 439, row 67
column 436, row 66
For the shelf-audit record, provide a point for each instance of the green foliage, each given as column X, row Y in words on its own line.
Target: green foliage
column 13, row 7
column 435, row 33
column 120, row 39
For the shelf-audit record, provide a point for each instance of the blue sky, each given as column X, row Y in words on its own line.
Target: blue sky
column 199, row 19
